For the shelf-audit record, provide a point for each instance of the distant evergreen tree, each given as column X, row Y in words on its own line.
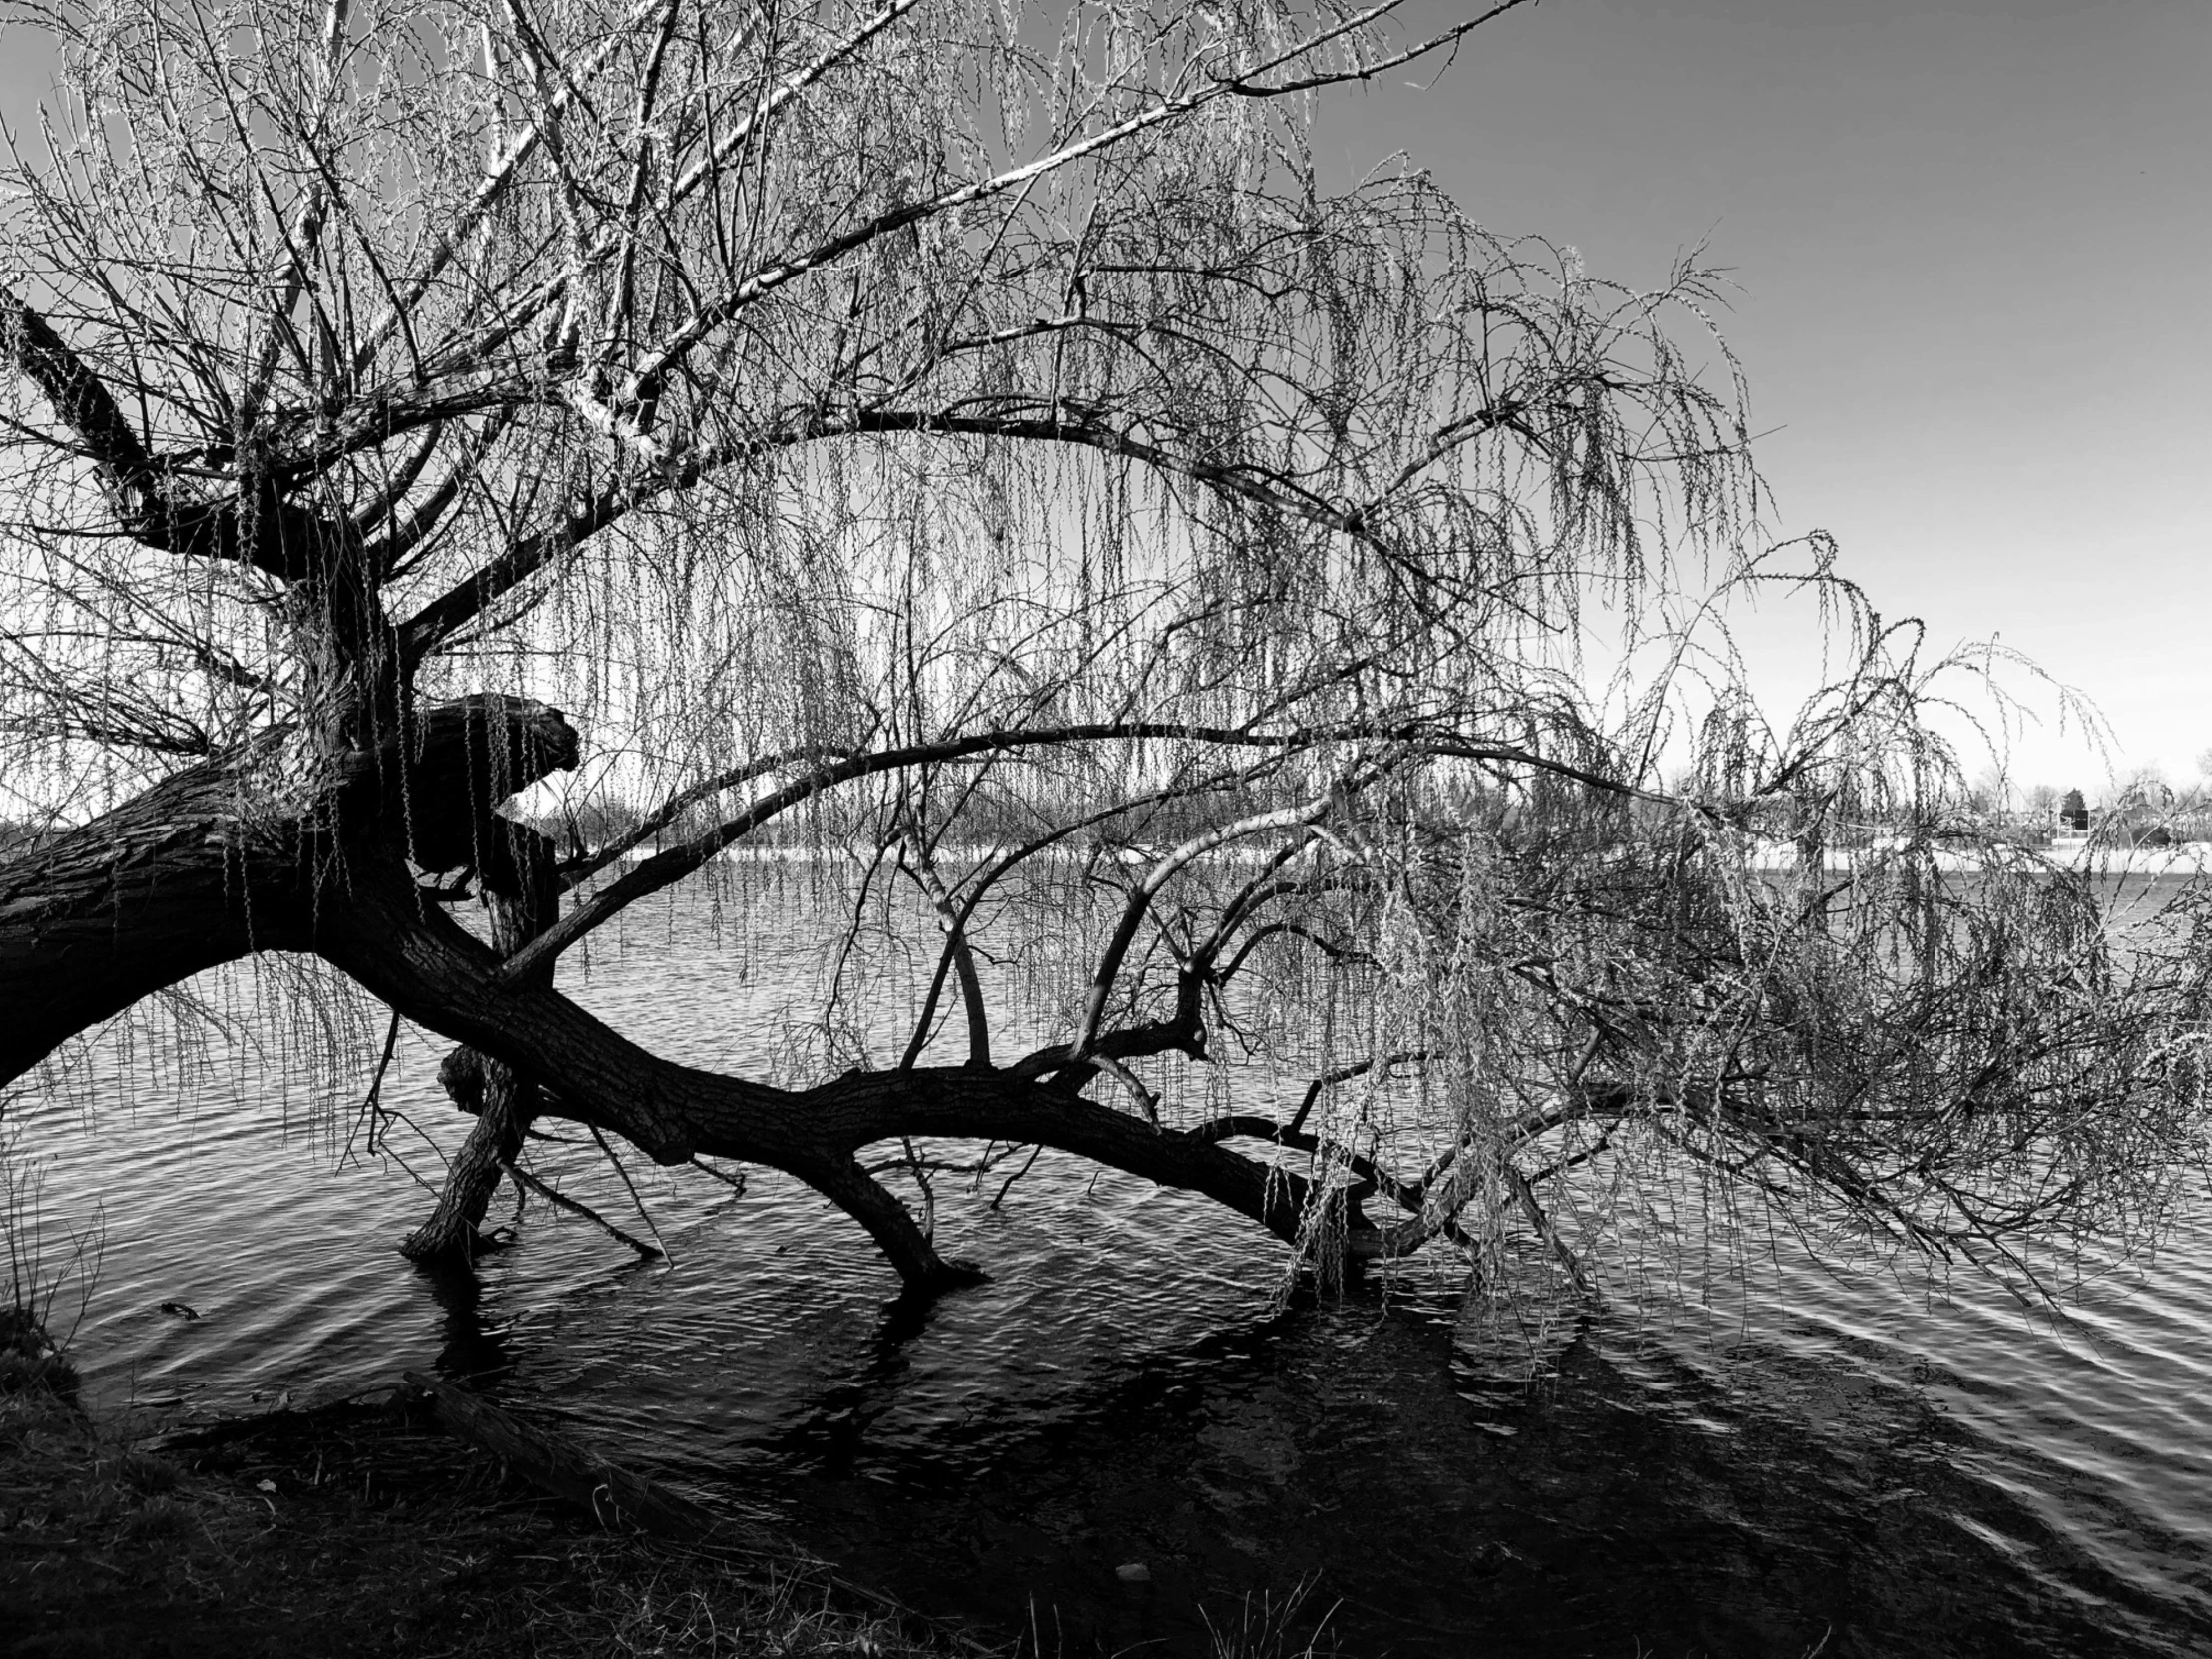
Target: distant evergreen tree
column 2073, row 812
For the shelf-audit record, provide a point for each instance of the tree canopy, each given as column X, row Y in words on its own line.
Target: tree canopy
column 1158, row 590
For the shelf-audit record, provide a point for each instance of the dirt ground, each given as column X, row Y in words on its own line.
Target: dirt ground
column 361, row 1529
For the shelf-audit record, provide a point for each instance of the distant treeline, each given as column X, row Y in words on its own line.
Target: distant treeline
column 1547, row 809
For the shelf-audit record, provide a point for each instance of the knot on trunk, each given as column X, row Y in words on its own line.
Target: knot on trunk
column 461, row 1076
column 488, row 745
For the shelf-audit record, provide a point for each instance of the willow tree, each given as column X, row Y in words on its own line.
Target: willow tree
column 971, row 446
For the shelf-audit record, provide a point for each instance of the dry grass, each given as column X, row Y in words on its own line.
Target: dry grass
column 1274, row 1627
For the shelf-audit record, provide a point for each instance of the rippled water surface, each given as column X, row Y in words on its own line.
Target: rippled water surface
column 1838, row 1459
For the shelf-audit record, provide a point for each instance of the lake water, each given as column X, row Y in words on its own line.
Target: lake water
column 1816, row 1459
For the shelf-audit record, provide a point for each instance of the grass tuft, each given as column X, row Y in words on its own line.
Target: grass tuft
column 1268, row 1628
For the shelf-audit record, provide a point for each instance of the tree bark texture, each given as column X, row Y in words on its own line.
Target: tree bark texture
column 521, row 890
column 249, row 851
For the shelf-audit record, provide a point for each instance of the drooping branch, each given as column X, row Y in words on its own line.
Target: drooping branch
column 303, row 237
column 667, row 867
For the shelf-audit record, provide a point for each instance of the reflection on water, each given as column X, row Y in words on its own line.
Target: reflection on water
column 1829, row 1459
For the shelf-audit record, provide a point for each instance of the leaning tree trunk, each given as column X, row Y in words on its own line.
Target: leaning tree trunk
column 521, row 889
column 228, row 858
column 171, row 882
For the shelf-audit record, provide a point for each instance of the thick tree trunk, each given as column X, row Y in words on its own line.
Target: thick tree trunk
column 522, row 892
column 174, row 882
column 503, row 1103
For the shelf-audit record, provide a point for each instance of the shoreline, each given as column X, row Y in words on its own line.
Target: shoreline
column 362, row 1528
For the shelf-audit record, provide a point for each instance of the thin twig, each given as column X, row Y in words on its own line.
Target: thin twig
column 643, row 1215
column 370, row 1107
column 736, row 1183
column 1016, row 1176
column 563, row 1201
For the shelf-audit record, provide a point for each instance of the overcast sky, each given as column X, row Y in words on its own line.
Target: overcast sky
column 1974, row 244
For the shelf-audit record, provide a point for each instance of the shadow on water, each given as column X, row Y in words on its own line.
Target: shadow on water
column 1630, row 1499
column 1130, row 1389
column 475, row 1350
